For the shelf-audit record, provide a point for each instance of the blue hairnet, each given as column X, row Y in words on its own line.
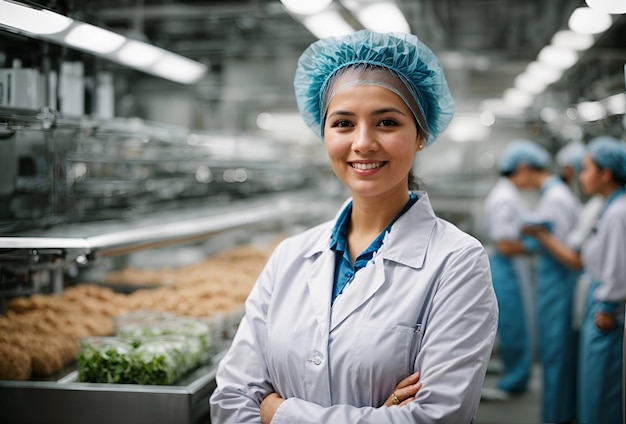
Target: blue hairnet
column 571, row 155
column 609, row 153
column 402, row 54
column 524, row 151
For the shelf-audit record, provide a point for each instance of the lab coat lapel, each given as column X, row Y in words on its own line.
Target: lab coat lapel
column 366, row 282
column 320, row 287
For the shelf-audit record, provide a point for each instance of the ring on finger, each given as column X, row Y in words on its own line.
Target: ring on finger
column 394, row 399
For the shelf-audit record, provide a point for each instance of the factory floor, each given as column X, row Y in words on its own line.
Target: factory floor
column 522, row 409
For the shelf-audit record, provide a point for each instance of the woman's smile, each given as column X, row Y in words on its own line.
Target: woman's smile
column 366, row 166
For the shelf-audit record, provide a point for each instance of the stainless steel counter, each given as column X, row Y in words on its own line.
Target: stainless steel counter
column 67, row 401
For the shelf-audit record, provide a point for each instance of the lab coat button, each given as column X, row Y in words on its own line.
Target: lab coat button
column 317, row 359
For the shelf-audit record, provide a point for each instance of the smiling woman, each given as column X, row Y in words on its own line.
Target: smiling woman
column 351, row 319
column 371, row 139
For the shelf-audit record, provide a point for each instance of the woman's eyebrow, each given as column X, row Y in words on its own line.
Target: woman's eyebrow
column 341, row 113
column 373, row 113
column 387, row 110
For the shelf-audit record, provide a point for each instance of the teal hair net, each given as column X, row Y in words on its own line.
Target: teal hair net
column 423, row 84
column 524, row 151
column 609, row 153
column 571, row 155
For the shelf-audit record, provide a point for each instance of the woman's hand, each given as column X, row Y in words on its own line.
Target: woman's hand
column 405, row 391
column 269, row 406
column 604, row 321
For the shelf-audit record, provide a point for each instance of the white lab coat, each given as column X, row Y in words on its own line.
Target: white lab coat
column 559, row 206
column 603, row 253
column 505, row 213
column 424, row 302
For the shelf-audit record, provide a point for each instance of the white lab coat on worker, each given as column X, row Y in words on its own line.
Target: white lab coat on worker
column 423, row 303
column 603, row 253
column 558, row 206
column 505, row 213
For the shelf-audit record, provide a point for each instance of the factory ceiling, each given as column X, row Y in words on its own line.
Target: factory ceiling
column 483, row 44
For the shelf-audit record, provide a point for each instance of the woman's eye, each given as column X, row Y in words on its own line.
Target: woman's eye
column 341, row 124
column 387, row 123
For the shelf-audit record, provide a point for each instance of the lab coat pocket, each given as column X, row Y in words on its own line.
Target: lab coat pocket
column 391, row 350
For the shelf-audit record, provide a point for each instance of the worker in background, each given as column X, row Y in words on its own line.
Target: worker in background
column 557, row 210
column 600, row 382
column 504, row 211
column 569, row 160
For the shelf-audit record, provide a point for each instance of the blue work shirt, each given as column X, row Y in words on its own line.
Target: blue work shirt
column 344, row 271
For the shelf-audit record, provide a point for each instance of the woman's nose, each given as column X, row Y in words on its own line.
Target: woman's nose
column 364, row 140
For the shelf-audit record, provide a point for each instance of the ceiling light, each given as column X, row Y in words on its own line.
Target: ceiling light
column 548, row 114
column 59, row 29
column 614, row 7
column 179, row 68
column 572, row 40
column 467, row 127
column 382, row 17
column 32, row 20
column 590, row 111
column 487, row 118
column 498, row 107
column 308, row 7
column 542, row 72
column 327, row 24
column 517, row 98
column 94, row 39
column 529, row 84
column 139, row 54
column 589, row 21
column 616, row 105
column 557, row 57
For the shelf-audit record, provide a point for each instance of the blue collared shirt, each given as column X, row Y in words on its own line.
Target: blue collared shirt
column 344, row 270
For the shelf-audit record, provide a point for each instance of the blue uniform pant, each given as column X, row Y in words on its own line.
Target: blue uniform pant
column 601, row 381
column 558, row 341
column 514, row 343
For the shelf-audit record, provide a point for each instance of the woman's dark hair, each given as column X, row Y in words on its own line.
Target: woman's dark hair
column 413, row 181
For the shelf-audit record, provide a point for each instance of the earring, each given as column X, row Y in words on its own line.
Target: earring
column 420, row 147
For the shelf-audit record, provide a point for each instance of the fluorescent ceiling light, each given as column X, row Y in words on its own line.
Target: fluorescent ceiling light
column 517, row 98
column 138, row 54
column 487, row 118
column 589, row 21
column 306, row 7
column 528, row 84
column 543, row 72
column 590, row 111
column 178, row 68
column 548, row 114
column 32, row 20
column 557, row 57
column 382, row 17
column 94, row 39
column 614, row 7
column 616, row 105
column 498, row 107
column 572, row 40
column 327, row 24
column 467, row 127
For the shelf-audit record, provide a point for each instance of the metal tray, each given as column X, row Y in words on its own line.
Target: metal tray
column 68, row 401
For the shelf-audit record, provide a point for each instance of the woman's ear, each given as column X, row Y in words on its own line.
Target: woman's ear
column 420, row 144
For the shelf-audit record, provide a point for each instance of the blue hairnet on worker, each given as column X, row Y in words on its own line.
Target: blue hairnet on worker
column 522, row 151
column 609, row 153
column 396, row 61
column 571, row 155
